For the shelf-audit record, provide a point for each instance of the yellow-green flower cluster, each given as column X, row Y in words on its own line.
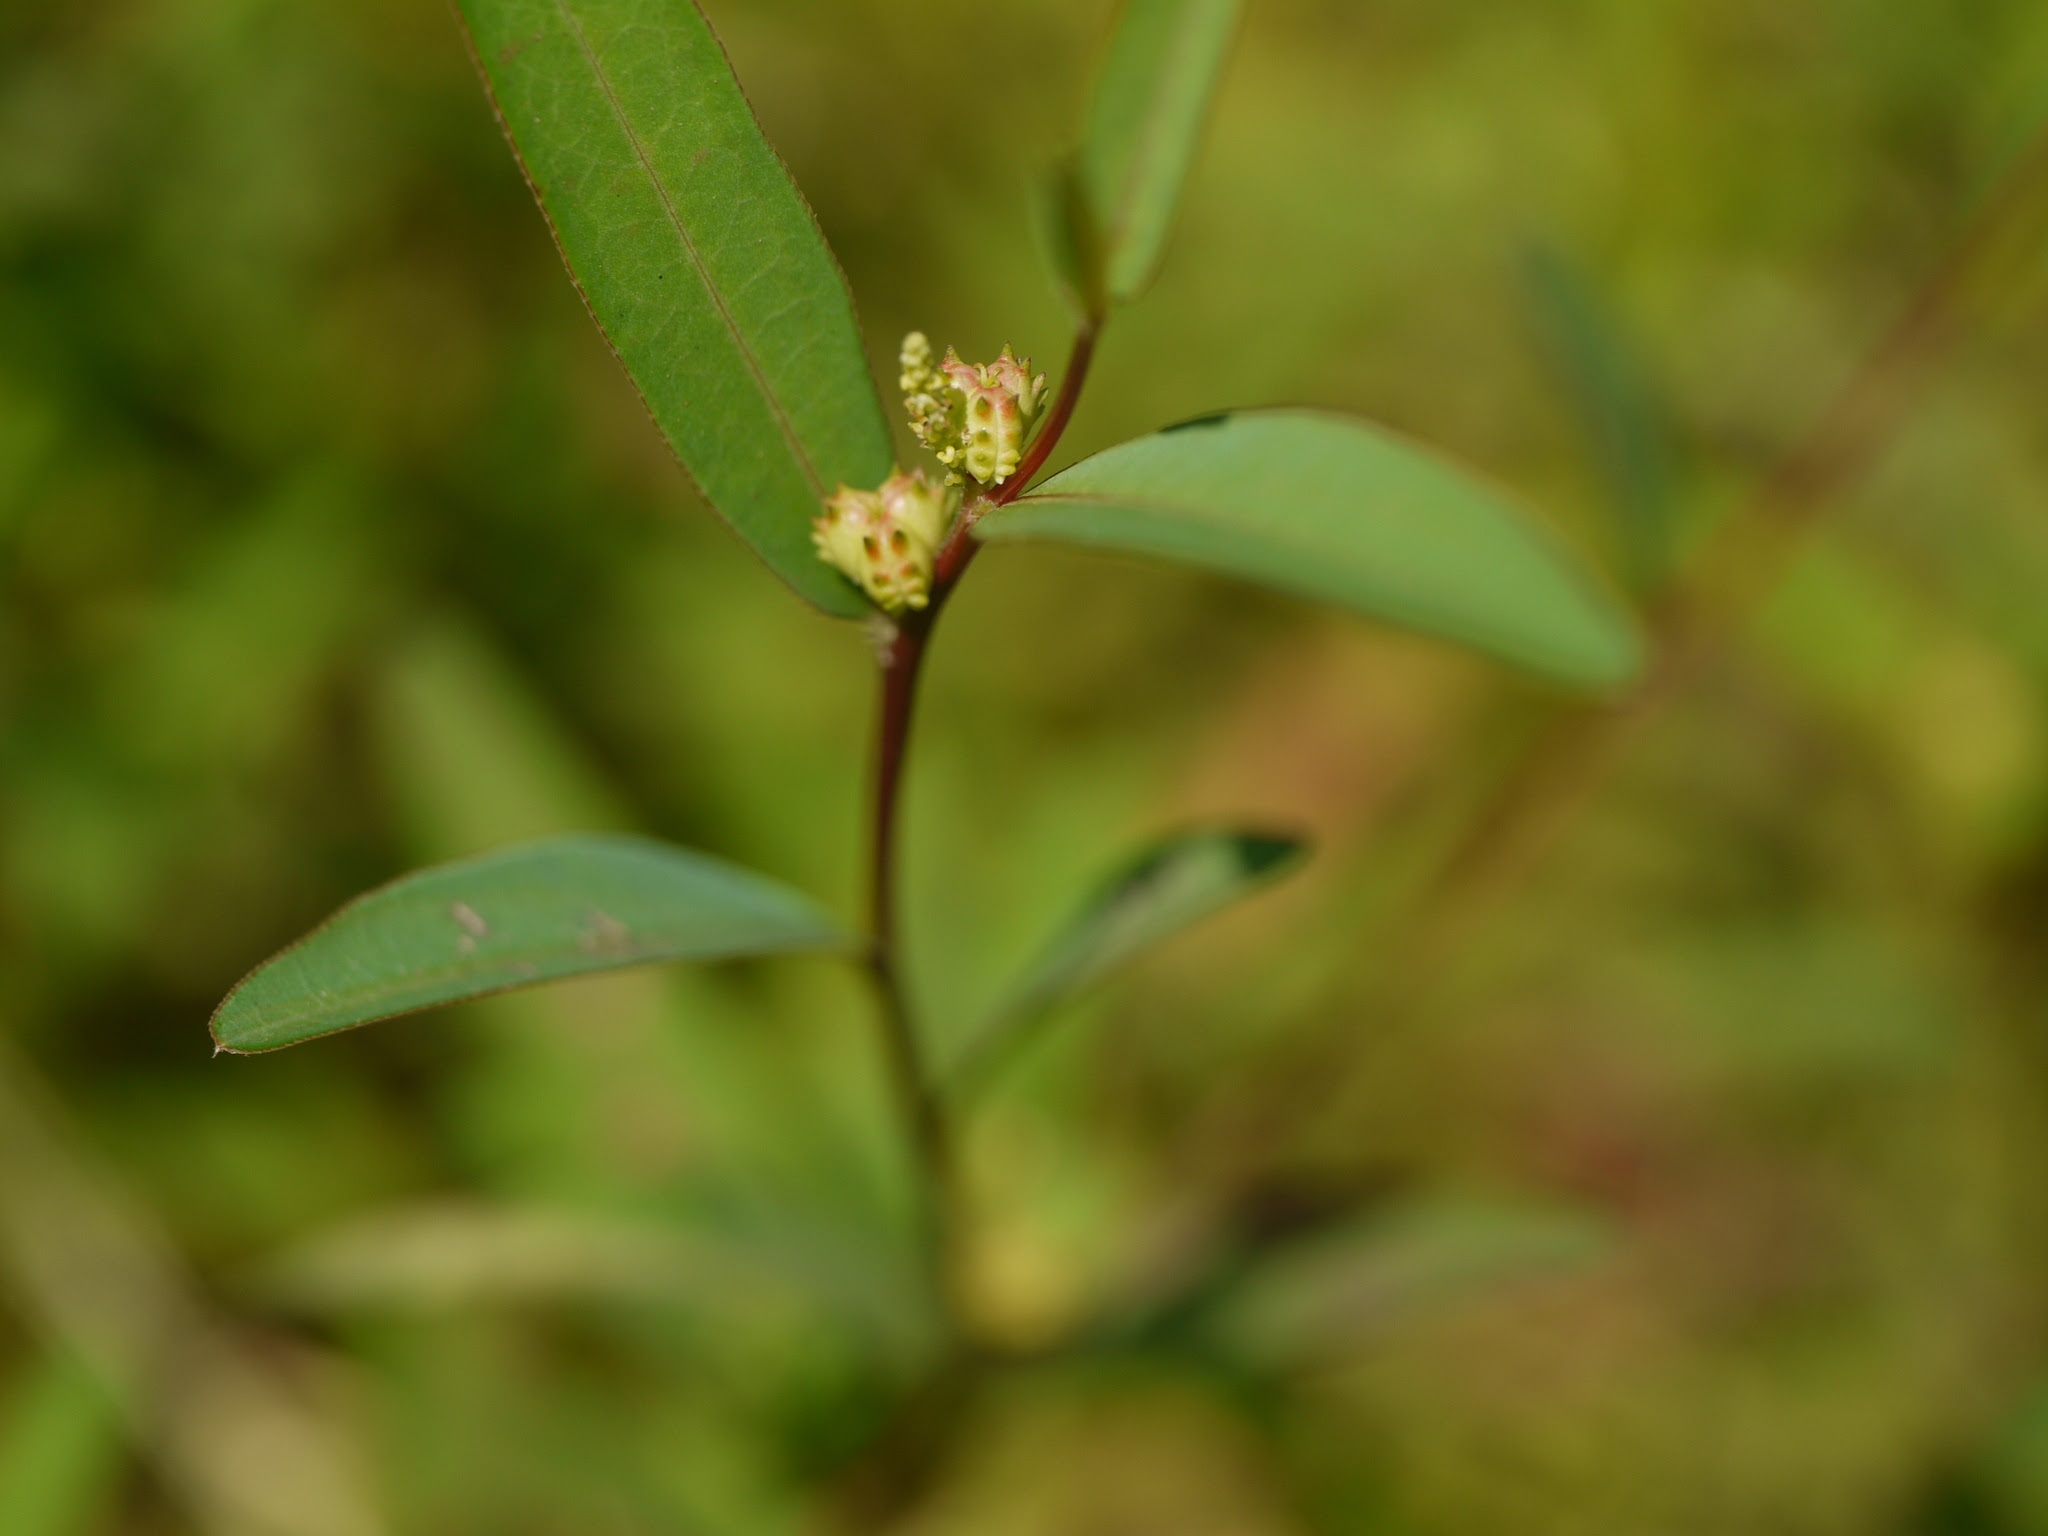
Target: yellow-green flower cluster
column 886, row 539
column 938, row 414
column 973, row 417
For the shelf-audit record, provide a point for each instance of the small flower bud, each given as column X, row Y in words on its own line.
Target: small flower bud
column 972, row 417
column 886, row 539
column 936, row 410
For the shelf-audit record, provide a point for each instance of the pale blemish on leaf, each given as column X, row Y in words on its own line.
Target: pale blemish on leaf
column 557, row 909
column 604, row 934
column 473, row 926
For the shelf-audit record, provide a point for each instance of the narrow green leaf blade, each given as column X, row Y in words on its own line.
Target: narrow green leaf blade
column 1331, row 508
column 698, row 258
column 1170, row 887
column 1150, row 103
column 565, row 907
column 1349, row 1285
column 1615, row 404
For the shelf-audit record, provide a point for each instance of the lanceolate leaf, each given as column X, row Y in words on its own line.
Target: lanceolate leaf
column 548, row 910
column 697, row 256
column 1350, row 1285
column 1333, row 509
column 1622, row 417
column 1151, row 100
column 1172, row 886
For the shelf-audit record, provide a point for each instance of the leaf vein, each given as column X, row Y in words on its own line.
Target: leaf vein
column 675, row 219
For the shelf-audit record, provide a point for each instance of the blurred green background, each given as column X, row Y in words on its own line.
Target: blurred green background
column 1690, row 1183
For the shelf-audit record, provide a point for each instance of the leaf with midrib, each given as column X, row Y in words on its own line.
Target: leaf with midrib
column 697, row 256
column 1145, row 120
column 1170, row 887
column 566, row 907
column 1331, row 508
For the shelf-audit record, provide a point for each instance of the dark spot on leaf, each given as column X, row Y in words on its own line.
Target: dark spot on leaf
column 512, row 51
column 1213, row 419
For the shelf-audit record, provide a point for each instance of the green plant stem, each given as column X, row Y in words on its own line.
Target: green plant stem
column 902, row 664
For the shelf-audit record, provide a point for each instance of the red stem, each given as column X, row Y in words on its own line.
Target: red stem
column 902, row 663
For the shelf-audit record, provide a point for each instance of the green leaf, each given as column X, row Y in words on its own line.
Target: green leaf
column 1150, row 102
column 451, row 1257
column 1616, row 407
column 1330, row 508
column 1350, row 1284
column 698, row 258
column 1070, row 240
column 455, row 1257
column 565, row 907
column 1172, row 886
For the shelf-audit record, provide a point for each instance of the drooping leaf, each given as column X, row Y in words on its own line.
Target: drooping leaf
column 1349, row 1285
column 1151, row 100
column 1170, row 887
column 565, row 907
column 1334, row 509
column 697, row 256
column 1616, row 407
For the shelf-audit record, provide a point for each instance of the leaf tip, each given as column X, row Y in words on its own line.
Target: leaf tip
column 1268, row 853
column 1622, row 658
column 220, row 1026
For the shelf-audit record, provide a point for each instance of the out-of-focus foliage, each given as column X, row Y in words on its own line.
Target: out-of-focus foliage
column 333, row 542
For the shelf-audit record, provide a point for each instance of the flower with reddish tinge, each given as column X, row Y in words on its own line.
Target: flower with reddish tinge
column 972, row 416
column 886, row 539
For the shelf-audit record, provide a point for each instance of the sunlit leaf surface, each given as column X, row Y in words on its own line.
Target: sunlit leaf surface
column 538, row 913
column 1334, row 509
column 698, row 257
